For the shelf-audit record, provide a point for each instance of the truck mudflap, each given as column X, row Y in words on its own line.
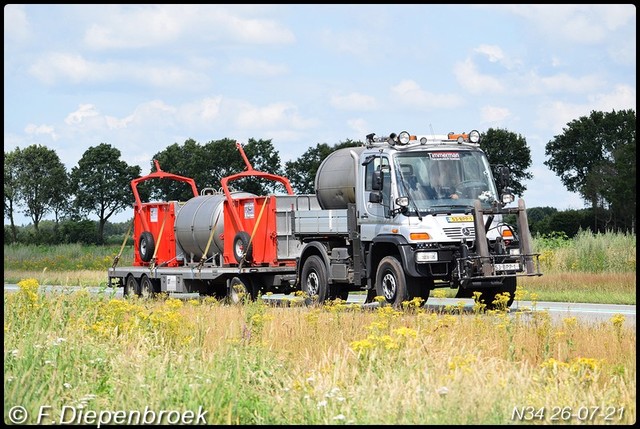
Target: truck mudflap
column 483, row 267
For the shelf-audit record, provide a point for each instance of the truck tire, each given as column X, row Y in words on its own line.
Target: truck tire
column 242, row 248
column 337, row 292
column 419, row 287
column 146, row 246
column 314, row 280
column 147, row 287
column 241, row 290
column 391, row 282
column 131, row 287
column 488, row 295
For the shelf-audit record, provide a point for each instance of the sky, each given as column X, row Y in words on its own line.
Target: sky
column 143, row 77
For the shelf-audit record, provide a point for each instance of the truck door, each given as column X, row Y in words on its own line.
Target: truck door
column 374, row 214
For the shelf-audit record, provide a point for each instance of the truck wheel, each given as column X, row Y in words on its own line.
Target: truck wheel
column 131, row 287
column 314, row 279
column 242, row 248
column 146, row 246
column 241, row 289
column 390, row 281
column 147, row 287
column 419, row 287
column 489, row 295
column 338, row 292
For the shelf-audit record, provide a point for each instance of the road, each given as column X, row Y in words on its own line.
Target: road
column 590, row 313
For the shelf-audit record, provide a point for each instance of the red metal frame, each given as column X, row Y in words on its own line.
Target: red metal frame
column 158, row 174
column 164, row 215
column 264, row 242
column 250, row 172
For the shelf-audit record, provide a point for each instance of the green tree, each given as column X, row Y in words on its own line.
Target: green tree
column 596, row 157
column 41, row 179
column 102, row 183
column 302, row 171
column 507, row 148
column 11, row 189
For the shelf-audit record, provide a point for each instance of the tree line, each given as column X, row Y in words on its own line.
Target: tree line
column 594, row 156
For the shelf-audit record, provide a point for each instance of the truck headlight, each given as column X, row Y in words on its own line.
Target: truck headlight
column 426, row 257
column 404, row 137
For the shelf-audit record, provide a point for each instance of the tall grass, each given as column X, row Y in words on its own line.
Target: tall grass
column 337, row 364
column 587, row 252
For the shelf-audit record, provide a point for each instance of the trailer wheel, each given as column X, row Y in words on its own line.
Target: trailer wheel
column 147, row 287
column 390, row 281
column 314, row 280
column 131, row 287
column 146, row 246
column 241, row 290
column 242, row 250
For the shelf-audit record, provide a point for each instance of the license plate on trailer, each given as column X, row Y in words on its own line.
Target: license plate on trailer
column 514, row 266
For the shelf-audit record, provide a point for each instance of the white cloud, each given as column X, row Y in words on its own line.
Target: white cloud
column 579, row 23
column 492, row 52
column 256, row 68
column 494, row 115
column 354, row 101
column 36, row 130
column 468, row 77
column 555, row 115
column 280, row 114
column 16, row 24
column 360, row 127
column 54, row 68
column 146, row 26
column 84, row 111
column 408, row 92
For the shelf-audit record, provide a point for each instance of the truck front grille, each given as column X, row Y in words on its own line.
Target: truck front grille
column 460, row 233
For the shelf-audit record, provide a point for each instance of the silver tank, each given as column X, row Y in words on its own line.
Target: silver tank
column 197, row 218
column 335, row 179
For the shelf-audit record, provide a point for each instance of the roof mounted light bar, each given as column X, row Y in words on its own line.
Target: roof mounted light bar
column 405, row 138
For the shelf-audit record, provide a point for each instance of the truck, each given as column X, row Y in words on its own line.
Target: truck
column 393, row 218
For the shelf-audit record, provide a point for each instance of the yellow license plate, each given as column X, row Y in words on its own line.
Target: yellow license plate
column 451, row 219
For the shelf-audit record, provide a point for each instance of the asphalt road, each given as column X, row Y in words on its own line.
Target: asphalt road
column 590, row 313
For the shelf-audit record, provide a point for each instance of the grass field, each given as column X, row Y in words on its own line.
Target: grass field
column 80, row 358
column 76, row 354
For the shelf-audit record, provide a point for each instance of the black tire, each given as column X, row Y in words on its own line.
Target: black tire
column 338, row 291
column 241, row 290
column 131, row 287
column 371, row 294
column 314, row 280
column 391, row 282
column 488, row 295
column 147, row 287
column 419, row 287
column 242, row 248
column 146, row 246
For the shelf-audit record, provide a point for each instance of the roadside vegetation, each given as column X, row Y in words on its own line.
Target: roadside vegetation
column 79, row 353
column 590, row 268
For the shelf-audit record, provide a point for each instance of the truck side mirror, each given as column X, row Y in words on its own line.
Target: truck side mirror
column 503, row 176
column 375, row 197
column 377, row 177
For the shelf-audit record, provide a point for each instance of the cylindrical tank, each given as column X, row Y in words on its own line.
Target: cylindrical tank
column 197, row 218
column 335, row 179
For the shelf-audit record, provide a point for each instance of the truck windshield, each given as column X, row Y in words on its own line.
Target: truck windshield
column 445, row 178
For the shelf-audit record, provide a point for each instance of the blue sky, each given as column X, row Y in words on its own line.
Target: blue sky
column 143, row 77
